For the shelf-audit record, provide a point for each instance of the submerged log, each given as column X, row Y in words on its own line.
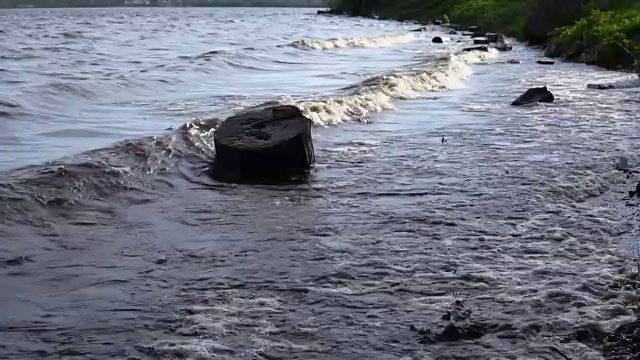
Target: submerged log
column 272, row 144
column 534, row 95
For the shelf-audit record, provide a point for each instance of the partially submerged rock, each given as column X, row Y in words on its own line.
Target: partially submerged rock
column 263, row 145
column 503, row 47
column 453, row 32
column 545, row 62
column 328, row 12
column 534, row 95
column 438, row 22
column 437, row 40
column 623, row 84
column 600, row 86
column 483, row 48
column 495, row 38
column 481, row 41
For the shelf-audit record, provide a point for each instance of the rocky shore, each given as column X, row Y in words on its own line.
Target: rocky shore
column 602, row 33
column 574, row 30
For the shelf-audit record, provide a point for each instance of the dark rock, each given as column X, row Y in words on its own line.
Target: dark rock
column 437, row 40
column 495, row 38
column 600, row 86
column 514, row 62
column 420, row 29
column 545, row 62
column 453, row 32
column 263, row 145
column 484, row 48
column 328, row 12
column 20, row 260
column 534, row 95
column 467, row 33
column 480, row 41
column 474, row 29
column 638, row 189
column 437, row 22
column 503, row 47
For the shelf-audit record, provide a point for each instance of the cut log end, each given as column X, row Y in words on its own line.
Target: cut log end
column 264, row 145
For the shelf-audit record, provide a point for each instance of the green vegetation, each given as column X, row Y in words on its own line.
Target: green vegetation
column 605, row 32
column 606, row 38
column 507, row 16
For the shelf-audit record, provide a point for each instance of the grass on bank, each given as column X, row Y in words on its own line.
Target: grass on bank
column 606, row 38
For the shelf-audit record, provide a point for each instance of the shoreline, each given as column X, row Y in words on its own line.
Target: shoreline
column 569, row 36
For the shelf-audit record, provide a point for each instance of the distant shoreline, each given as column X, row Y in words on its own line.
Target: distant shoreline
column 159, row 6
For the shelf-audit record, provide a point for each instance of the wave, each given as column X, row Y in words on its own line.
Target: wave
column 120, row 173
column 357, row 42
column 377, row 93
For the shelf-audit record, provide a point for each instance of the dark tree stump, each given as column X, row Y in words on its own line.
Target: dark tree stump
column 272, row 144
column 534, row 95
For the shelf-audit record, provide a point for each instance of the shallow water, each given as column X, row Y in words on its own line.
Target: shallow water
column 131, row 251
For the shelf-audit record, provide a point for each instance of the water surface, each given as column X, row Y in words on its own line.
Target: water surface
column 128, row 250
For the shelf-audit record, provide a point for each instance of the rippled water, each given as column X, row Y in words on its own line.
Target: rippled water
column 123, row 248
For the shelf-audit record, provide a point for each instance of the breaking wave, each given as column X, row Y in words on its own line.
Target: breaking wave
column 377, row 94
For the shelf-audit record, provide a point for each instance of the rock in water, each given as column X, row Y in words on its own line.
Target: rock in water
column 481, row 41
column 504, row 47
column 420, row 29
column 264, row 145
column 495, row 38
column 437, row 40
column 535, row 95
column 483, row 48
column 600, row 86
column 546, row 62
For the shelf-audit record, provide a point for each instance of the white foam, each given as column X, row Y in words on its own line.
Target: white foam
column 357, row 42
column 377, row 94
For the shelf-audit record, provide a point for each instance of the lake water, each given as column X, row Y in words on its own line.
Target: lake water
column 113, row 244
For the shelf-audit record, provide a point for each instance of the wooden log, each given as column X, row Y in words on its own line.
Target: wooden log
column 271, row 144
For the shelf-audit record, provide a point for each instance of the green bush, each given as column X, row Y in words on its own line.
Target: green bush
column 610, row 38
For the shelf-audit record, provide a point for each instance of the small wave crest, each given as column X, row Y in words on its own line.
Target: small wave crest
column 377, row 94
column 357, row 42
